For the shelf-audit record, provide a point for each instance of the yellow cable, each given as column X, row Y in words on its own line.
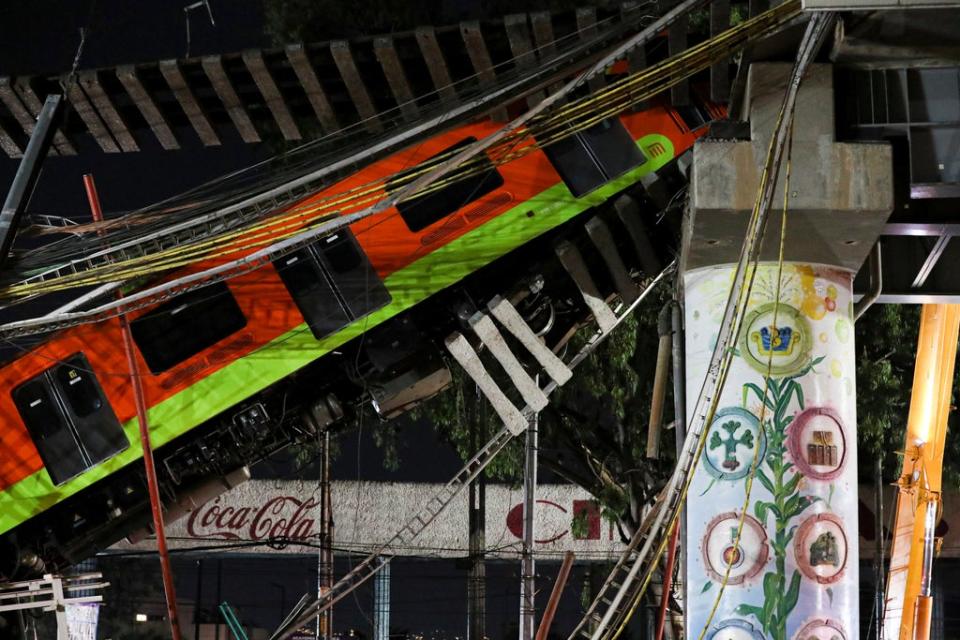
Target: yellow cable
column 542, row 132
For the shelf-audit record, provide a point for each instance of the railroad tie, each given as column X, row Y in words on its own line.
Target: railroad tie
column 487, row 331
column 573, row 262
column 460, row 349
column 510, row 318
column 602, row 239
column 629, row 213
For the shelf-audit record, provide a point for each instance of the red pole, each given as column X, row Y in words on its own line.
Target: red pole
column 667, row 581
column 140, row 400
column 554, row 601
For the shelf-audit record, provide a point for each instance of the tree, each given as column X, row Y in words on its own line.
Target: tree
column 886, row 354
column 593, row 432
column 886, row 342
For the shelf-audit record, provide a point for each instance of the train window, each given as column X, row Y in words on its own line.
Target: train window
column 69, row 418
column 332, row 282
column 341, row 253
column 595, row 156
column 186, row 325
column 94, row 422
column 476, row 180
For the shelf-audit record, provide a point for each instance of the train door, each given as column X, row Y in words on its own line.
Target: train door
column 69, row 418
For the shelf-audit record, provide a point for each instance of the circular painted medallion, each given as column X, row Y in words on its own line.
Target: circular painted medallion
column 746, row 558
column 821, row 630
column 820, row 547
column 732, row 444
column 818, row 443
column 784, row 342
column 734, row 629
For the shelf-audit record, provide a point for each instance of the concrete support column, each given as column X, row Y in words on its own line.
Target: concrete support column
column 788, row 409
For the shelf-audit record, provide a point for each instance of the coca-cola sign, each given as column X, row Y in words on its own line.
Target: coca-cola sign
column 279, row 517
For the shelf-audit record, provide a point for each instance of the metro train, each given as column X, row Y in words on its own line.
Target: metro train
column 238, row 370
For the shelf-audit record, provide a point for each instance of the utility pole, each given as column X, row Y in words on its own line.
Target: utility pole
column 527, row 595
column 476, row 492
column 140, row 402
column 325, row 552
column 878, row 563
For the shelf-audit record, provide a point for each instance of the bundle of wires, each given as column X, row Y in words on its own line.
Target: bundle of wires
column 542, row 131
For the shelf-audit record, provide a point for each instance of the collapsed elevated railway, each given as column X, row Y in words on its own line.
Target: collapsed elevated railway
column 351, row 319
column 352, row 295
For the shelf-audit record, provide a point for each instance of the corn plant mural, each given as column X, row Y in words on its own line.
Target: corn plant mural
column 778, row 476
column 769, row 521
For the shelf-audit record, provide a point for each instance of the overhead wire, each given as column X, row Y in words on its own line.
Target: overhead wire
column 336, row 146
column 762, row 432
column 306, row 216
column 719, row 368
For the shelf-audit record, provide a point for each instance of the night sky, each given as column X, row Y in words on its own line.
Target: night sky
column 42, row 37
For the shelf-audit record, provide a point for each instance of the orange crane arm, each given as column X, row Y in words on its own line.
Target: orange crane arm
column 908, row 605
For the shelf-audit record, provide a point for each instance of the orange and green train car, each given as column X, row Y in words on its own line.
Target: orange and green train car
column 225, row 367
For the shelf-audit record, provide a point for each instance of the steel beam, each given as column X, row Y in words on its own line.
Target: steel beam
column 297, row 56
column 9, row 145
column 127, row 75
column 27, row 173
column 343, row 58
column 932, row 258
column 386, row 53
column 220, row 81
column 170, row 70
column 253, row 59
column 34, row 105
column 919, row 265
column 108, row 112
column 436, row 64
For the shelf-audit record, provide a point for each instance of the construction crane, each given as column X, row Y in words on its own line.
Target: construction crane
column 908, row 602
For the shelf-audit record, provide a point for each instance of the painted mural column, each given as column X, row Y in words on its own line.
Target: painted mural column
column 793, row 573
column 787, row 414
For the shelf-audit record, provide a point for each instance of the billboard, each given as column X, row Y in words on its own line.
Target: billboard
column 269, row 516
